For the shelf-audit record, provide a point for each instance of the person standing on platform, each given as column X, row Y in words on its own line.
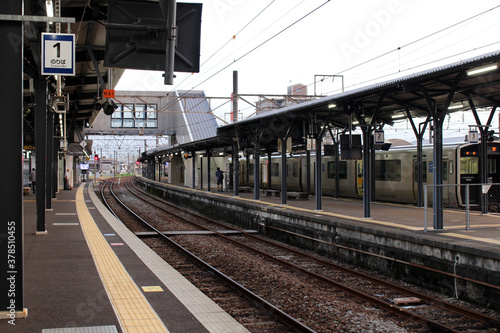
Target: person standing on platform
column 33, row 179
column 67, row 177
column 220, row 177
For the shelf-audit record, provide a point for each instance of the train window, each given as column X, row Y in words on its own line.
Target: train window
column 492, row 166
column 445, row 170
column 275, row 170
column 342, row 171
column 388, row 170
column 469, row 165
column 424, row 173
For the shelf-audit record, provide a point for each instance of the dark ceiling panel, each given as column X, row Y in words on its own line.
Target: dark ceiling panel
column 136, row 36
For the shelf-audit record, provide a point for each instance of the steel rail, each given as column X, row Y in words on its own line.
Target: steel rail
column 430, row 300
column 106, row 201
column 288, row 320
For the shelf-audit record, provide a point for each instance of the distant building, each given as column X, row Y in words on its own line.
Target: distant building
column 297, row 90
column 296, row 94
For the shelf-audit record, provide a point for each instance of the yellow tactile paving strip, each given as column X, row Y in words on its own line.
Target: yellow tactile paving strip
column 131, row 307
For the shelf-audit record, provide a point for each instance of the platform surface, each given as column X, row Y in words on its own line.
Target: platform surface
column 89, row 273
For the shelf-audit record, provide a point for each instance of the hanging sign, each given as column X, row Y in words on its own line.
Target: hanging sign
column 379, row 137
column 473, row 136
column 108, row 93
column 58, row 54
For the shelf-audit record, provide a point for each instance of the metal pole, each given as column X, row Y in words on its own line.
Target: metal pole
column 236, row 164
column 169, row 8
column 425, row 208
column 283, row 171
column 11, row 132
column 467, row 208
column 308, row 172
column 256, row 171
column 193, row 169
column 50, row 160
column 208, row 169
column 40, row 153
column 317, row 180
column 235, row 96
column 366, row 173
column 269, row 174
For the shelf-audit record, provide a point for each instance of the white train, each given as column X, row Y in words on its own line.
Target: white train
column 395, row 173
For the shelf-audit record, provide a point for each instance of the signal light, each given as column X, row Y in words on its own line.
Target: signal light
column 96, row 157
column 186, row 156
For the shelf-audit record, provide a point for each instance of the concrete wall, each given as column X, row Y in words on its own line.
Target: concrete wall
column 381, row 249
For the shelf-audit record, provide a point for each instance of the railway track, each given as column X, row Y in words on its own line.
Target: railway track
column 418, row 311
column 253, row 312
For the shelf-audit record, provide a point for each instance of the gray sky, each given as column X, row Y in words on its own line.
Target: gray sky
column 291, row 41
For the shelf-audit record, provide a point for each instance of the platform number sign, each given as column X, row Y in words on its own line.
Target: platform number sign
column 58, row 54
column 379, row 137
column 473, row 136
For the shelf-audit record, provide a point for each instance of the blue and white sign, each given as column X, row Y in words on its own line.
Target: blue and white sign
column 473, row 136
column 58, row 54
column 379, row 136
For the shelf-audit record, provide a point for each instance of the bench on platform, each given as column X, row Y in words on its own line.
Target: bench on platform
column 297, row 195
column 246, row 189
column 272, row 193
column 26, row 190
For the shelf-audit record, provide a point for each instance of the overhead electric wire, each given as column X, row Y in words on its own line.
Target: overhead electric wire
column 251, row 39
column 426, row 64
column 236, row 34
column 411, row 43
column 418, row 40
column 263, row 43
column 232, row 38
column 194, row 87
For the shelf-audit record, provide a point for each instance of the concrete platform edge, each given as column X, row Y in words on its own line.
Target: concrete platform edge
column 173, row 280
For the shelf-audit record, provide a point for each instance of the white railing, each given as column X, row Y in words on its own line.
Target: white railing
column 463, row 206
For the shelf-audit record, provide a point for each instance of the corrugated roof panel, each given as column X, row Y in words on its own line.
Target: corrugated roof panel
column 198, row 116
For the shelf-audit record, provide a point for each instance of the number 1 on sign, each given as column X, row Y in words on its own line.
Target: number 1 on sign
column 58, row 46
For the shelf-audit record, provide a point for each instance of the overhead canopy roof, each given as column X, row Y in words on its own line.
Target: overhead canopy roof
column 195, row 146
column 82, row 88
column 379, row 104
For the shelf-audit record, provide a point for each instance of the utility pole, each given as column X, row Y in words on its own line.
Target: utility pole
column 235, row 96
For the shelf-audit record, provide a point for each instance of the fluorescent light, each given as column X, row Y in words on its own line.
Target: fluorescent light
column 332, row 105
column 49, row 6
column 399, row 117
column 482, row 69
column 456, row 106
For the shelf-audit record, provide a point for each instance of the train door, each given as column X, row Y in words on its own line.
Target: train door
column 493, row 173
column 447, row 190
column 359, row 178
column 470, row 172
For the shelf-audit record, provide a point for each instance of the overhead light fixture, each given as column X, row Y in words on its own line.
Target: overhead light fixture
column 456, row 106
column 332, row 105
column 482, row 69
column 49, row 7
column 399, row 117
